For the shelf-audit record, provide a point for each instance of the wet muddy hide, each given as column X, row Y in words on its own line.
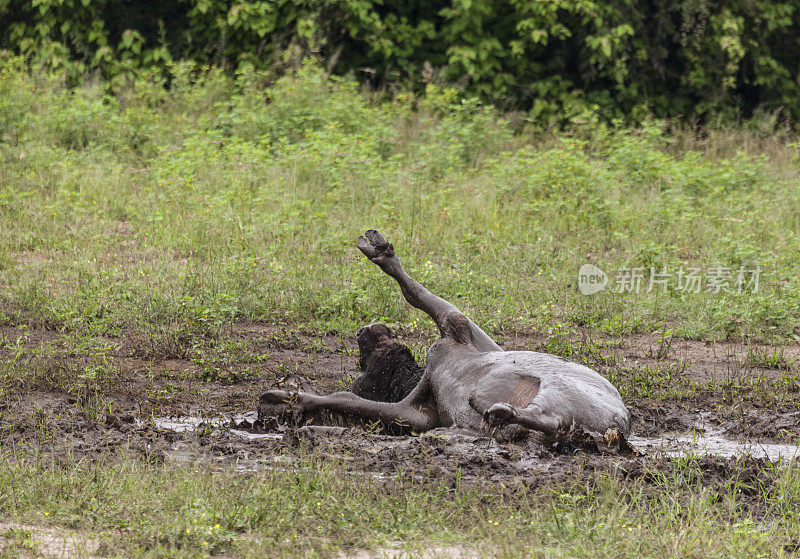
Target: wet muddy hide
column 390, row 372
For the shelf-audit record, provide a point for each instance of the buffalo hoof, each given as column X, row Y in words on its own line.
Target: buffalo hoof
column 499, row 414
column 278, row 403
column 379, row 251
column 278, row 397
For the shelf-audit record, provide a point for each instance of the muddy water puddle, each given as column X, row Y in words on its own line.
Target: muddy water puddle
column 188, row 456
column 183, row 423
column 244, row 450
column 712, row 441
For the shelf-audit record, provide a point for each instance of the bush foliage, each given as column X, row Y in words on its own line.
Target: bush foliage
column 558, row 59
column 225, row 198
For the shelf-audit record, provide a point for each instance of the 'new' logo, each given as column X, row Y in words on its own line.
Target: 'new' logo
column 591, row 279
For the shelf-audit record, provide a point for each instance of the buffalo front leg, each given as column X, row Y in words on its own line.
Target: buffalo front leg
column 531, row 417
column 510, row 399
column 417, row 417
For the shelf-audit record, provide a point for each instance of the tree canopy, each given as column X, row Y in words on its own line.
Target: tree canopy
column 555, row 59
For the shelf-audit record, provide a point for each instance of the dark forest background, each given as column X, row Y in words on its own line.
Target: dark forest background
column 554, row 59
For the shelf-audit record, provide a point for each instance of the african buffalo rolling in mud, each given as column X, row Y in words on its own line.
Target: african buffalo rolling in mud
column 469, row 382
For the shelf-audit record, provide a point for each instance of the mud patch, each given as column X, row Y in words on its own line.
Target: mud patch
column 163, row 413
column 737, row 422
column 240, row 442
column 18, row 539
column 236, row 440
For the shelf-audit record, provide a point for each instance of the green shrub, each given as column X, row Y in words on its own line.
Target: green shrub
column 570, row 61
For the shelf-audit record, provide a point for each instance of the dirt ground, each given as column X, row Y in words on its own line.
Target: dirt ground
column 161, row 408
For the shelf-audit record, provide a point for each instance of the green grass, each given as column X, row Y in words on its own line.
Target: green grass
column 315, row 510
column 220, row 200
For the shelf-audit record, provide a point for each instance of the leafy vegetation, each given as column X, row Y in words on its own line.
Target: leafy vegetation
column 564, row 61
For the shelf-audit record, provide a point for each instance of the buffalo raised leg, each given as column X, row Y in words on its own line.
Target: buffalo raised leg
column 450, row 321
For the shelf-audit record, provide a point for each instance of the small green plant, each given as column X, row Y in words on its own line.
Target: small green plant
column 19, row 539
column 764, row 358
column 664, row 345
column 89, row 383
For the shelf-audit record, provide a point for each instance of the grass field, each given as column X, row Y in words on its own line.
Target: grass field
column 205, row 204
column 143, row 234
column 320, row 510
